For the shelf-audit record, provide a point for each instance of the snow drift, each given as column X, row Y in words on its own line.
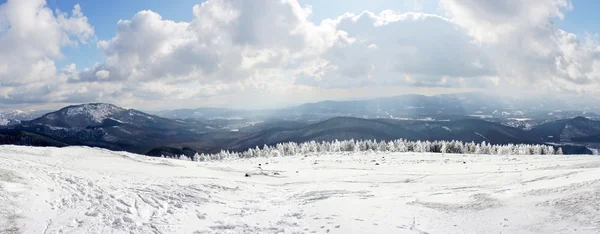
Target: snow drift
column 86, row 190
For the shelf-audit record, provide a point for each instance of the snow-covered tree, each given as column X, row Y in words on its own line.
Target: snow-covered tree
column 399, row 145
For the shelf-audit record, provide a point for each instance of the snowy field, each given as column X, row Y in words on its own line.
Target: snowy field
column 85, row 190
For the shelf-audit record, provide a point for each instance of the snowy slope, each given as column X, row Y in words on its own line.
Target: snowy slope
column 5, row 121
column 97, row 112
column 24, row 115
column 85, row 190
column 80, row 115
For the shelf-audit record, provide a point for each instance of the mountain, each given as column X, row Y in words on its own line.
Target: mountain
column 112, row 127
column 578, row 128
column 460, row 104
column 5, row 121
column 96, row 114
column 17, row 137
column 273, row 123
column 345, row 128
column 410, row 106
column 21, row 115
column 206, row 112
column 467, row 130
column 341, row 128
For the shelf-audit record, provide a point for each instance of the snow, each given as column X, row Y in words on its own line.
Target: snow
column 51, row 116
column 423, row 119
column 56, row 128
column 520, row 119
column 482, row 136
column 86, row 190
column 116, row 120
column 20, row 115
column 482, row 116
column 97, row 112
column 4, row 121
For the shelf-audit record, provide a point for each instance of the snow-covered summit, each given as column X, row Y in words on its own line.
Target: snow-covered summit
column 3, row 120
column 80, row 115
column 96, row 112
column 24, row 115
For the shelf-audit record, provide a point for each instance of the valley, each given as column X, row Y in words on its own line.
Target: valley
column 462, row 117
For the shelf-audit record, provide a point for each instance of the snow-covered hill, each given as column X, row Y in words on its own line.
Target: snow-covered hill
column 4, row 121
column 85, row 190
column 24, row 115
column 80, row 116
column 95, row 114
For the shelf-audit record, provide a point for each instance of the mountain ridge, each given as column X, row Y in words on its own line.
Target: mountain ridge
column 116, row 128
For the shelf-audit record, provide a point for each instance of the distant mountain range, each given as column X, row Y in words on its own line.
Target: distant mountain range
column 413, row 117
column 22, row 115
column 446, row 106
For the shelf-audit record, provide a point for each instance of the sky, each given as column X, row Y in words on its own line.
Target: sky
column 162, row 54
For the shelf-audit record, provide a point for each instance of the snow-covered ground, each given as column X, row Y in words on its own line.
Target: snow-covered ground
column 85, row 190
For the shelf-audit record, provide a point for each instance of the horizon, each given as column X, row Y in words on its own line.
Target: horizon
column 155, row 55
column 58, row 106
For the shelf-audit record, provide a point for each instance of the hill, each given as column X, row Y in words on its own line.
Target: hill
column 346, row 128
column 579, row 128
column 112, row 127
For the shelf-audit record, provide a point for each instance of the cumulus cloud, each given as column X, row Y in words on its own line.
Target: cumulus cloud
column 271, row 47
column 227, row 41
column 259, row 43
column 237, row 44
column 31, row 38
column 102, row 74
column 391, row 45
column 525, row 44
column 493, row 21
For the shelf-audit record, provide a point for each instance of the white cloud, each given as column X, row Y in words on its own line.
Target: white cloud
column 525, row 44
column 392, row 45
column 265, row 47
column 494, row 21
column 102, row 74
column 227, row 42
column 32, row 36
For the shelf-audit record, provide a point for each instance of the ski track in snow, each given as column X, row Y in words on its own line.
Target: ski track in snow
column 86, row 190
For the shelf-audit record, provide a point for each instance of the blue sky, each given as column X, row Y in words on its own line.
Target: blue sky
column 583, row 18
column 103, row 15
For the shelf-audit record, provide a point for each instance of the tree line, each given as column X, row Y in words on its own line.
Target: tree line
column 400, row 145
